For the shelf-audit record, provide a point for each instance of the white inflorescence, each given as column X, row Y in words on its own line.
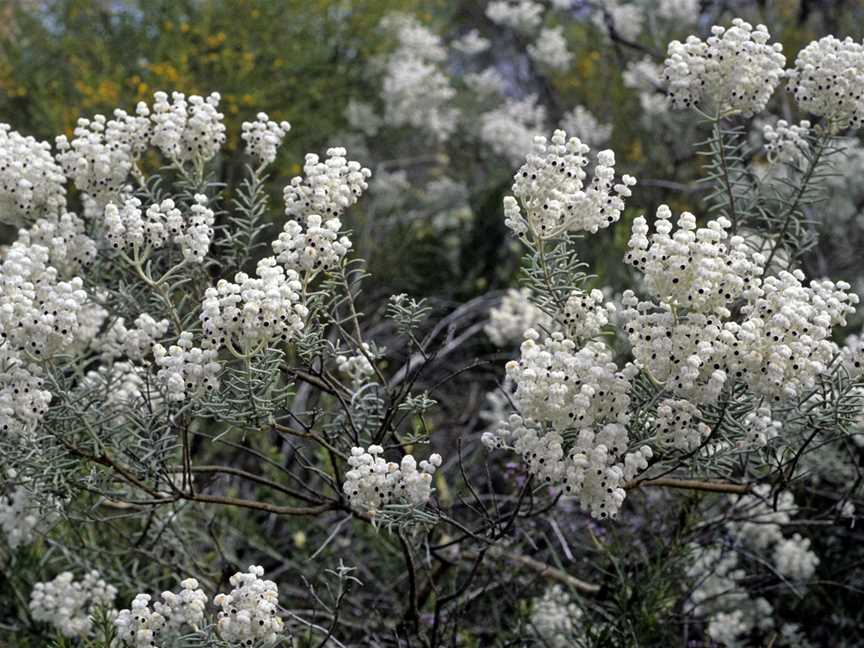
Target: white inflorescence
column 141, row 627
column 186, row 371
column 416, row 90
column 128, row 228
column 120, row 341
column 626, row 18
column 23, row 513
column 560, row 384
column 828, row 81
column 329, row 188
column 357, row 366
column 70, row 250
column 701, row 269
column 511, row 128
column 316, row 247
column 471, row 43
column 735, row 69
column 646, row 77
column 520, row 15
column 102, row 152
column 263, row 137
column 515, row 315
column 786, row 142
column 586, row 313
column 187, row 129
column 551, row 188
column 251, row 313
column 556, row 619
column 250, row 612
column 679, row 424
column 581, row 123
column 373, row 482
column 68, row 604
column 550, row 49
column 31, row 182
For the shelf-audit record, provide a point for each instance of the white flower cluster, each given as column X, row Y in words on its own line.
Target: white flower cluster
column 556, row 619
column 31, row 182
column 550, row 49
column 68, row 605
column 373, row 482
column 250, row 612
column 681, row 11
column 316, row 247
column 184, row 370
column 328, row 189
column 515, row 315
column 520, row 15
column 853, row 355
column 562, row 388
column 718, row 596
column 679, row 424
column 486, row 83
column 121, row 386
column 251, row 313
column 626, row 18
column 828, row 81
column 102, row 151
column 263, row 137
column 416, row 90
column 551, row 187
column 39, row 314
column 735, row 69
column 120, row 341
column 69, row 249
column 701, row 269
column 141, row 627
column 127, row 227
column 586, row 313
column 558, row 384
column 761, row 529
column 759, row 428
column 471, row 43
column 187, row 130
column 23, row 402
column 786, row 142
column 646, row 77
column 357, row 366
column 511, row 128
column 581, row 123
column 784, row 344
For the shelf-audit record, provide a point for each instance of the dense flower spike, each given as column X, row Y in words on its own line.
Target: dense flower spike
column 186, row 371
column 31, row 182
column 68, row 605
column 828, row 81
column 70, row 250
column 252, row 313
column 735, row 69
column 263, row 137
column 120, row 341
column 187, row 130
column 556, row 619
column 250, row 611
column 373, row 482
column 586, row 313
column 328, row 189
column 551, row 188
